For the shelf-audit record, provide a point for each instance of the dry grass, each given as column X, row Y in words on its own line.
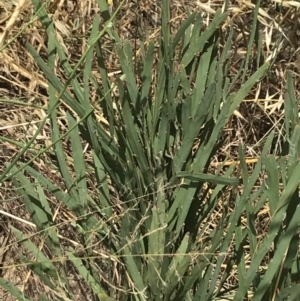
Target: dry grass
column 23, row 93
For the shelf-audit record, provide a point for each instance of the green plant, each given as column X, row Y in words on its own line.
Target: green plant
column 156, row 155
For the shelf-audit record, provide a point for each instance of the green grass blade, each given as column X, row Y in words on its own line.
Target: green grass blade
column 88, row 278
column 235, row 217
column 165, row 35
column 294, row 143
column 13, row 290
column 202, row 177
column 36, row 205
column 134, row 272
column 79, row 163
column 206, row 70
column 277, row 218
column 156, row 250
column 38, row 271
column 43, row 298
column 183, row 28
column 159, row 92
column 128, row 70
column 272, row 182
column 290, row 106
column 198, row 42
column 290, row 293
column 62, row 162
column 251, row 38
column 88, row 63
column 107, row 103
column 146, row 77
column 178, row 266
column 58, row 147
column 279, row 255
column 242, row 93
column 289, row 189
column 134, row 137
column 101, row 177
column 53, row 189
column 55, row 82
column 240, row 237
column 43, row 262
column 195, row 124
column 70, row 72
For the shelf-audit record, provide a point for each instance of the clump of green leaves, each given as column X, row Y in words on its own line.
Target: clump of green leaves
column 161, row 242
